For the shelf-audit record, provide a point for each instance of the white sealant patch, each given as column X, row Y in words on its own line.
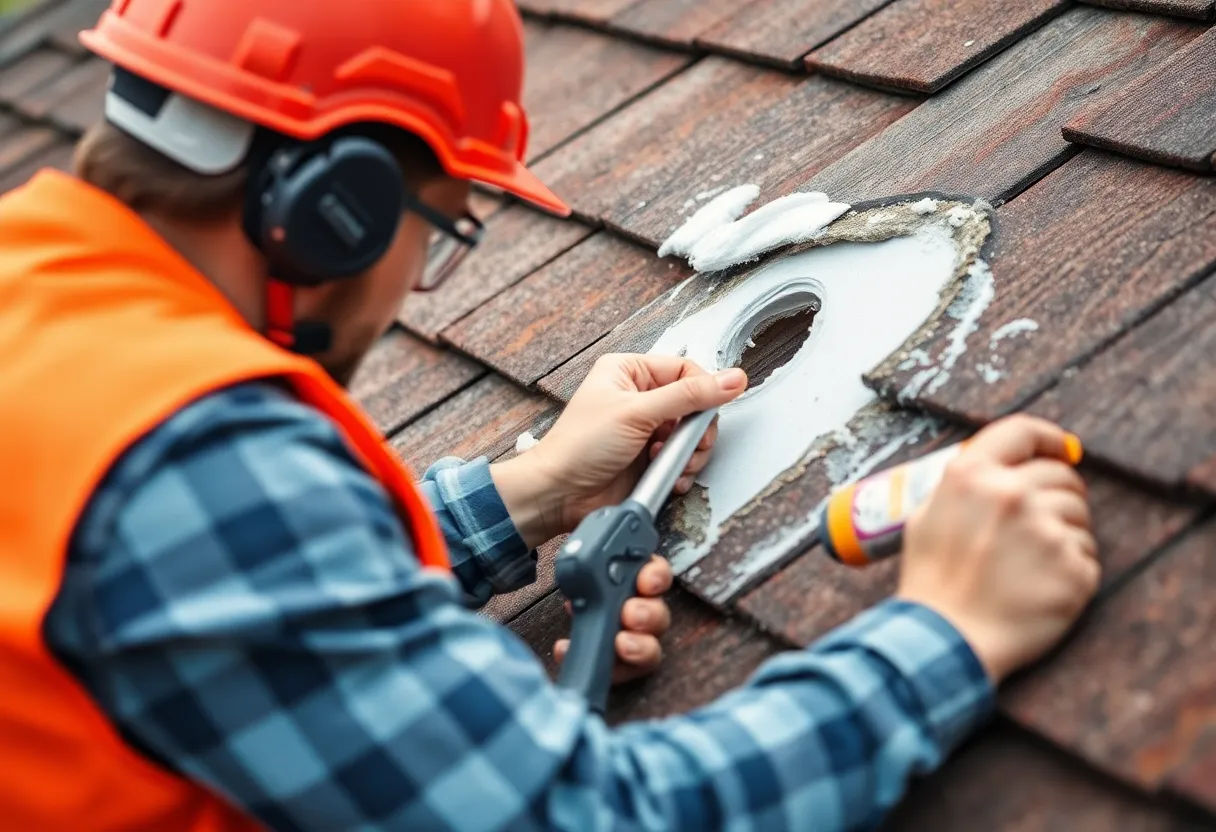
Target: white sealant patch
column 967, row 308
column 873, row 296
column 724, row 210
column 791, row 219
column 526, row 441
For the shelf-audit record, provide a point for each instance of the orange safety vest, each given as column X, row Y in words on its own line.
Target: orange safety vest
column 105, row 332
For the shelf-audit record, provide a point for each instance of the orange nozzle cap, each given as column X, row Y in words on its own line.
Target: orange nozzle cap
column 1073, row 452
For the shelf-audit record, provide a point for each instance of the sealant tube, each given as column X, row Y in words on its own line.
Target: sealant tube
column 863, row 522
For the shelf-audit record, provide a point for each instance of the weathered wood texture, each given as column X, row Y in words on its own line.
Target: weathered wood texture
column 518, row 241
column 1148, row 402
column 781, row 32
column 1132, row 692
column 506, row 607
column 814, row 593
column 32, row 71
column 719, row 124
column 996, row 131
column 485, row 419
column 403, row 377
column 576, row 77
column 72, row 99
column 538, row 323
column 923, row 45
column 781, row 523
column 596, row 12
column 55, row 153
column 1168, row 116
column 673, row 22
column 774, row 346
column 706, row 656
column 56, row 24
column 542, row 624
column 638, row 334
column 21, row 143
column 1198, row 9
column 1086, row 254
column 1007, row 780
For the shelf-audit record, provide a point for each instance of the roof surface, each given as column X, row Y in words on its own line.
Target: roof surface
column 1090, row 127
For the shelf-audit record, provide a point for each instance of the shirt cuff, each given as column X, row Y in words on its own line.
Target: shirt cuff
column 934, row 659
column 485, row 527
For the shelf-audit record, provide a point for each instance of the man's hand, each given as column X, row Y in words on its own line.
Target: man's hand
column 613, row 426
column 1003, row 549
column 644, row 620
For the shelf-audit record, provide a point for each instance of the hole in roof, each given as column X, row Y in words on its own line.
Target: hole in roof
column 774, row 340
column 862, row 296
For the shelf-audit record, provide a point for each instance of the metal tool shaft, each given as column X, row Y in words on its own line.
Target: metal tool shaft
column 597, row 568
column 655, row 485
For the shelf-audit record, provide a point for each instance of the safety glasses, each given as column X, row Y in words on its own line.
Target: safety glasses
column 450, row 243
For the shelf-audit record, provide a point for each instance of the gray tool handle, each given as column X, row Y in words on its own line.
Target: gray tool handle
column 597, row 569
column 655, row 486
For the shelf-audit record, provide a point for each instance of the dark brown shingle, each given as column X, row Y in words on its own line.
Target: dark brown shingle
column 1167, row 116
column 923, row 45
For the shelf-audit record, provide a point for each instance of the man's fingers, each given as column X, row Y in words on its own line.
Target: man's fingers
column 1018, row 439
column 697, row 462
column 640, row 651
column 663, row 432
column 1067, row 506
column 560, row 648
column 699, row 458
column 655, row 577
column 646, row 615
column 1051, row 474
column 691, row 394
column 649, row 372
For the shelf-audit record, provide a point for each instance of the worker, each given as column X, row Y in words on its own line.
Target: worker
column 224, row 605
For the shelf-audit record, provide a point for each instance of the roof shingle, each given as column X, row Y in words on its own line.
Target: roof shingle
column 718, row 124
column 1167, row 116
column 923, row 45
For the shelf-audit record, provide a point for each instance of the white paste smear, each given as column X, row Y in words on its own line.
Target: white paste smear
column 925, row 206
column 526, row 441
column 1012, row 328
column 791, row 219
column 973, row 299
column 723, row 210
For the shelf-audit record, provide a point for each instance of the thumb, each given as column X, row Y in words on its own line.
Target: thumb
column 691, row 394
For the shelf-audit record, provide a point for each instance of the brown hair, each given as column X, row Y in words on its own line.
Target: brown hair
column 146, row 180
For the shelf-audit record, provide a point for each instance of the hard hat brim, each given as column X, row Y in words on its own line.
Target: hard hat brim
column 524, row 184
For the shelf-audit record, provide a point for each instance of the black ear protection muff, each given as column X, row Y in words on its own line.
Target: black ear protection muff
column 326, row 210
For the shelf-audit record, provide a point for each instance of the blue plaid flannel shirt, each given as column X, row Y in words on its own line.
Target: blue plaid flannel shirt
column 241, row 601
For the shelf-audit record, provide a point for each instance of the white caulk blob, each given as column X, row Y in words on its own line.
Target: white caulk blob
column 874, row 295
column 791, row 219
column 1012, row 328
column 723, row 210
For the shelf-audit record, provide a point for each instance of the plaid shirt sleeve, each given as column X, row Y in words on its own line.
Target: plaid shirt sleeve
column 487, row 554
column 242, row 603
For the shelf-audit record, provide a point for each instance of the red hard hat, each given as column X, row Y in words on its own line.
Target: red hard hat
column 449, row 71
